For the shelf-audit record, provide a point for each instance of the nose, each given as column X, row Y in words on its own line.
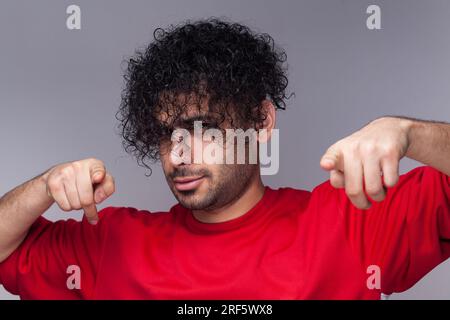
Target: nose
column 180, row 152
column 176, row 154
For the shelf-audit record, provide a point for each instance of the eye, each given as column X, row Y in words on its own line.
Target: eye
column 165, row 129
column 210, row 125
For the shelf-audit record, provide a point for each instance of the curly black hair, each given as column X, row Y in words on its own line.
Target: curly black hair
column 225, row 62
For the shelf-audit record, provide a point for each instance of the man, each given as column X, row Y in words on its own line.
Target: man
column 363, row 232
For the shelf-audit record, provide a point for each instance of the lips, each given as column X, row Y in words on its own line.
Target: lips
column 187, row 183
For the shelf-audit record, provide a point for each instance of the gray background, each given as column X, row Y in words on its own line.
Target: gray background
column 60, row 89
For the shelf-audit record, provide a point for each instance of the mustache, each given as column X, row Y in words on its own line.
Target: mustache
column 188, row 172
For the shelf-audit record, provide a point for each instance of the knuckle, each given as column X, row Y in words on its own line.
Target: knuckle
column 67, row 172
column 373, row 190
column 64, row 207
column 390, row 151
column 369, row 148
column 53, row 184
column 353, row 193
column 77, row 165
column 86, row 201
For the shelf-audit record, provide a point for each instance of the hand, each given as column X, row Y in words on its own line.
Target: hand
column 368, row 160
column 80, row 185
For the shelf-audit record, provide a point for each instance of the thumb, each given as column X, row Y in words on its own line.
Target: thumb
column 97, row 173
column 104, row 189
column 327, row 163
column 330, row 160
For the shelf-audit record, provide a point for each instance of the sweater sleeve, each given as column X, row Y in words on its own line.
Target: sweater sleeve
column 408, row 233
column 57, row 260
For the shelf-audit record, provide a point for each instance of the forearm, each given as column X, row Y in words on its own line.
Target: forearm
column 429, row 143
column 19, row 209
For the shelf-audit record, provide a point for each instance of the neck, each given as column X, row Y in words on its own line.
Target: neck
column 237, row 207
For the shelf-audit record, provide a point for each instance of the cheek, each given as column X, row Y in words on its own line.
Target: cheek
column 220, row 172
column 165, row 162
column 164, row 151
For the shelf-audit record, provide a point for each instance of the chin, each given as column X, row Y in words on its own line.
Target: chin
column 193, row 201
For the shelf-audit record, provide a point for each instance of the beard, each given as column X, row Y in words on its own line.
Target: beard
column 217, row 190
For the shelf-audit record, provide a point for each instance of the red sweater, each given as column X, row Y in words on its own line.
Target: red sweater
column 293, row 244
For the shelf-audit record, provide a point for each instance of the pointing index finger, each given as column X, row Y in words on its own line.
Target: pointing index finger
column 91, row 214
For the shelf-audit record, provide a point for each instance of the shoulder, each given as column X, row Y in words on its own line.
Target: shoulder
column 424, row 173
column 288, row 198
column 129, row 223
column 422, row 179
column 292, row 193
column 113, row 215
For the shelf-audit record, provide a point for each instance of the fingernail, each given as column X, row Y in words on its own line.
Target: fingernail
column 93, row 222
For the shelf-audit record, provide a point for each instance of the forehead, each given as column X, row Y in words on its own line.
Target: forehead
column 183, row 107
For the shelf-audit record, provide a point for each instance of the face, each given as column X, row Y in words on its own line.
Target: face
column 202, row 186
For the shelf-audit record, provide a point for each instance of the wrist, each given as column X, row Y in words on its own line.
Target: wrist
column 414, row 132
column 42, row 180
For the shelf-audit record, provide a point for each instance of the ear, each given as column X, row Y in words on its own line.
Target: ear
column 268, row 109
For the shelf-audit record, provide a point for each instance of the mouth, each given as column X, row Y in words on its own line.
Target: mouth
column 187, row 183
